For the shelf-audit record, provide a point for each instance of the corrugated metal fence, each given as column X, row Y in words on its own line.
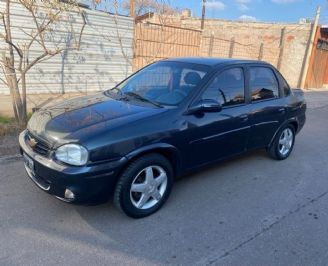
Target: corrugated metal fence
column 104, row 59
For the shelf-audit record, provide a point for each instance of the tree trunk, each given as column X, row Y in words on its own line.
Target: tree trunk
column 24, row 107
column 10, row 72
column 11, row 78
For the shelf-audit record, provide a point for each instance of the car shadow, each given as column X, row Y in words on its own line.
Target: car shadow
column 184, row 211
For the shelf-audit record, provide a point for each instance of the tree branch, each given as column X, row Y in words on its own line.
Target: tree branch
column 18, row 50
column 42, row 58
column 4, row 72
column 4, row 22
column 82, row 29
column 4, row 81
column 43, row 27
column 5, row 64
column 33, row 38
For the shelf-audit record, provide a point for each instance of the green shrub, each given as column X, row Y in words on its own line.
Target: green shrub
column 6, row 119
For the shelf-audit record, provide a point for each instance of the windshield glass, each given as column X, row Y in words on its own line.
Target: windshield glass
column 164, row 83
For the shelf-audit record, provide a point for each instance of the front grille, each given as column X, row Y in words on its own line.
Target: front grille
column 41, row 147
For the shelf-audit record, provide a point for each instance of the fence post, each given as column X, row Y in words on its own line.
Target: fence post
column 309, row 47
column 203, row 14
column 281, row 46
column 132, row 8
column 232, row 46
column 210, row 47
column 261, row 52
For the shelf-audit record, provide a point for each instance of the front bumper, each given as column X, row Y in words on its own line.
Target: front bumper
column 86, row 182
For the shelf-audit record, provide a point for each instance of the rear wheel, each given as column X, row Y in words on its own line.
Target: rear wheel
column 283, row 143
column 144, row 186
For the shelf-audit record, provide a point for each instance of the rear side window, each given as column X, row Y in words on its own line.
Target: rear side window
column 285, row 86
column 227, row 87
column 263, row 84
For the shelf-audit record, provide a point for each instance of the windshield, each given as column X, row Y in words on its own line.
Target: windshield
column 164, row 83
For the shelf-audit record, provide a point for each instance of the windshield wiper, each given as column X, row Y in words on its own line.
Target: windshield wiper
column 116, row 93
column 141, row 98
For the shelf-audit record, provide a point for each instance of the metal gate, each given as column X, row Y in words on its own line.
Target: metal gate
column 318, row 71
column 155, row 41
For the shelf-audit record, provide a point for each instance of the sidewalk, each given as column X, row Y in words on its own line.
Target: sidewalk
column 316, row 98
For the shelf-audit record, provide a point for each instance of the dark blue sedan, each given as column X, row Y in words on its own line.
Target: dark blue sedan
column 164, row 121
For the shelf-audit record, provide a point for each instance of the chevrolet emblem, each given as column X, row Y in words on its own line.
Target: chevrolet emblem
column 32, row 142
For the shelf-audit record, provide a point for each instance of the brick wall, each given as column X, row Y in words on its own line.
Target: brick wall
column 248, row 38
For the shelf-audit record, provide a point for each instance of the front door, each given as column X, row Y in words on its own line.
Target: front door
column 216, row 135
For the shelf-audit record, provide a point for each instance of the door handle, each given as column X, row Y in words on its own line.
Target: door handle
column 243, row 118
column 282, row 110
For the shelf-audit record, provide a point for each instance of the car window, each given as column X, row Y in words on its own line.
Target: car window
column 157, row 77
column 285, row 86
column 164, row 82
column 185, row 74
column 263, row 84
column 227, row 87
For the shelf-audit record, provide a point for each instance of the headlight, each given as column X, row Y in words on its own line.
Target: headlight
column 73, row 154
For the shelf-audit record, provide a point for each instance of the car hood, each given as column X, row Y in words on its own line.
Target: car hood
column 65, row 120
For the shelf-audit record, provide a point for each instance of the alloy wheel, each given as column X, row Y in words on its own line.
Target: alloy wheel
column 148, row 187
column 285, row 141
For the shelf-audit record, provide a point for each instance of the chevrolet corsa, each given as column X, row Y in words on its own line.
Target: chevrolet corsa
column 166, row 120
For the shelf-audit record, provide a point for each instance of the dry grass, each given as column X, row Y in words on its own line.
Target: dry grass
column 9, row 131
column 8, row 126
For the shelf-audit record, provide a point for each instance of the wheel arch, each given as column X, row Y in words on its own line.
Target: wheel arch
column 168, row 151
column 292, row 122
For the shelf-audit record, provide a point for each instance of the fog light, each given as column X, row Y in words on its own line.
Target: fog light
column 69, row 194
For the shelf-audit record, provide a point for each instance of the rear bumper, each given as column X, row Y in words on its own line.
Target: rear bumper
column 86, row 182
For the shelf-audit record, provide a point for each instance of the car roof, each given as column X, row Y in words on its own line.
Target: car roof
column 213, row 61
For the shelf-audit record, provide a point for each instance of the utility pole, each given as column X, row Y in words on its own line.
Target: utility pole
column 203, row 14
column 132, row 8
column 309, row 49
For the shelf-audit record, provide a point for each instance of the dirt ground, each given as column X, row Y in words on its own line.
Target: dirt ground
column 9, row 145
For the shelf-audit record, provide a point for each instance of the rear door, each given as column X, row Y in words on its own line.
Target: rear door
column 215, row 135
column 267, row 106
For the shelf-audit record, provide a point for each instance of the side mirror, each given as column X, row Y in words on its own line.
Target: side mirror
column 206, row 105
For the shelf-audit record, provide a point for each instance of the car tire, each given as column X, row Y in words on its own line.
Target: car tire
column 144, row 186
column 283, row 143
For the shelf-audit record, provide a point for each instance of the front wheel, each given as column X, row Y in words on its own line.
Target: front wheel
column 283, row 143
column 144, row 186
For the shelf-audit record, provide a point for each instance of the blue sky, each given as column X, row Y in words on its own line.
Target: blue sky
column 262, row 10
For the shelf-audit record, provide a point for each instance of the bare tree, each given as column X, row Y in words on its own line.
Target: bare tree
column 16, row 60
column 160, row 7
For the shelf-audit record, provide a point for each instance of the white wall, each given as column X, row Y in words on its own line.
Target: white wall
column 100, row 63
